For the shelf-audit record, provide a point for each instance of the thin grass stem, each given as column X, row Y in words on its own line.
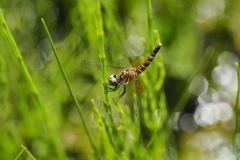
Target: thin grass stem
column 102, row 56
column 157, row 36
column 236, row 113
column 18, row 156
column 35, row 94
column 109, row 134
column 3, row 85
column 153, row 77
column 70, row 89
column 101, row 119
column 113, row 20
column 25, row 148
column 150, row 36
column 149, row 24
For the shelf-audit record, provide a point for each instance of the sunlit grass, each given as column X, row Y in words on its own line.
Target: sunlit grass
column 25, row 149
column 236, row 107
column 70, row 89
column 34, row 95
column 118, row 138
column 59, row 110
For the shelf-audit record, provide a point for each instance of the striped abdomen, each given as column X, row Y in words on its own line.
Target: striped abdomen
column 148, row 60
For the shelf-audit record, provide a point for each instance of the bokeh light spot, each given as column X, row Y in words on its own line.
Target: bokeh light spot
column 222, row 74
column 187, row 123
column 198, row 86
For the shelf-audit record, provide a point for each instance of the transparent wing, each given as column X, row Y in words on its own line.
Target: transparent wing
column 133, row 46
column 133, row 63
column 91, row 65
column 139, row 89
column 96, row 66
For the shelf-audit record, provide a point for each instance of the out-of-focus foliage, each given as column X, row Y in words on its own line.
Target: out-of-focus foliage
column 187, row 29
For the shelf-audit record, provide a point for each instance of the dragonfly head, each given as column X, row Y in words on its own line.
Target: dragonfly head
column 113, row 80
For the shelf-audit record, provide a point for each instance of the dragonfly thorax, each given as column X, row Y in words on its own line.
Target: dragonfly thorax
column 123, row 78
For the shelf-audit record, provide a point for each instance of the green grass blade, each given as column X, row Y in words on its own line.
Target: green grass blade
column 149, row 23
column 3, row 85
column 100, row 121
column 70, row 89
column 234, row 140
column 19, row 154
column 35, row 94
column 102, row 56
column 28, row 153
column 113, row 20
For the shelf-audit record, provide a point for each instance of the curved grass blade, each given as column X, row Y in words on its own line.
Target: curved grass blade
column 234, row 140
column 55, row 140
column 70, row 90
column 18, row 156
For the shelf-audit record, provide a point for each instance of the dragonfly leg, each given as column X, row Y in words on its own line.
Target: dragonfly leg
column 122, row 94
column 111, row 89
column 115, row 88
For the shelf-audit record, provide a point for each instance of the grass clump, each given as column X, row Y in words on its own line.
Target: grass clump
column 60, row 110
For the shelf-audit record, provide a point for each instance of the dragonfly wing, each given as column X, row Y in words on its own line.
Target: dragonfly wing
column 134, row 46
column 97, row 66
column 133, row 63
column 138, row 85
column 91, row 65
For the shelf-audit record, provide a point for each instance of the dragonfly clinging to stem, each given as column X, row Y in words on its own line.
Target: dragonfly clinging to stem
column 131, row 73
column 128, row 74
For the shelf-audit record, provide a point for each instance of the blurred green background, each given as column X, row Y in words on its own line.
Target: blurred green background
column 187, row 29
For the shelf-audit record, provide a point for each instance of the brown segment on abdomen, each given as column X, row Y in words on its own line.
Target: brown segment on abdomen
column 148, row 60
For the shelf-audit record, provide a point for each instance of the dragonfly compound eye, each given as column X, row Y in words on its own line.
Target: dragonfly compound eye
column 113, row 80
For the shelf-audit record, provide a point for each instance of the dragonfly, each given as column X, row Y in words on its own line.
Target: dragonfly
column 127, row 75
column 131, row 73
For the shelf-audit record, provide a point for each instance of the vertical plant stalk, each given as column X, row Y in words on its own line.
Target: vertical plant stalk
column 70, row 90
column 36, row 96
column 153, row 78
column 101, row 120
column 102, row 56
column 3, row 85
column 150, row 28
column 236, row 113
column 100, row 36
